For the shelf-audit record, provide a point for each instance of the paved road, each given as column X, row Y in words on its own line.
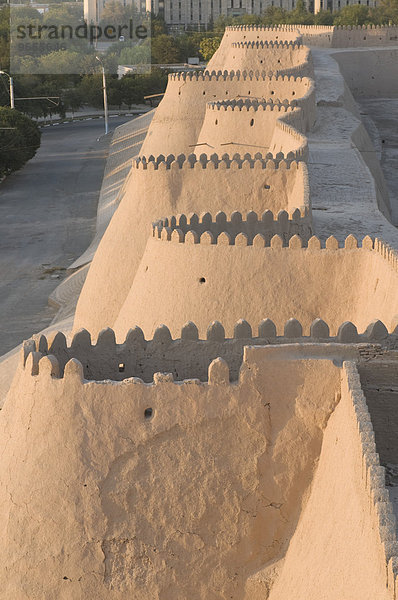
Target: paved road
column 47, row 219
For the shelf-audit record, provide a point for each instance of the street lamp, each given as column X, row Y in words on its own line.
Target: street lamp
column 11, row 88
column 105, row 96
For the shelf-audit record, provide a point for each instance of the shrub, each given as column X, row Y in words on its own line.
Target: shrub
column 19, row 139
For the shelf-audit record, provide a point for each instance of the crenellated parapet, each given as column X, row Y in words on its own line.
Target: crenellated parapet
column 254, row 182
column 253, row 105
column 187, row 356
column 235, row 229
column 373, row 473
column 262, row 28
column 268, row 44
column 258, row 161
column 251, row 75
column 254, row 230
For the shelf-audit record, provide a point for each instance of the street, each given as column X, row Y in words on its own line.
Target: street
column 47, row 219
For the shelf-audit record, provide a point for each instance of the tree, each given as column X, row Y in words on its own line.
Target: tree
column 158, row 26
column 300, row 15
column 188, row 45
column 356, row 14
column 208, row 46
column 274, row 15
column 323, row 17
column 389, row 11
column 164, row 50
column 19, row 139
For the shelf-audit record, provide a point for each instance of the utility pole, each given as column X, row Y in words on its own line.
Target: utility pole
column 105, row 96
column 11, row 88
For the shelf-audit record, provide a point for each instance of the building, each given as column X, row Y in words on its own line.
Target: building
column 93, row 8
column 202, row 12
column 333, row 5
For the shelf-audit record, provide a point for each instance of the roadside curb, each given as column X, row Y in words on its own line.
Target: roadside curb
column 90, row 118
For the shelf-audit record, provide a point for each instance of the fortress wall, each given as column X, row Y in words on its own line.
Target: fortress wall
column 371, row 73
column 250, row 225
column 254, row 282
column 234, row 35
column 346, row 534
column 232, row 129
column 347, row 37
column 114, row 267
column 286, row 135
column 105, row 503
column 214, row 184
column 175, row 126
column 254, row 33
column 224, row 86
column 276, row 59
column 361, row 139
column 163, row 192
column 319, row 35
column 189, row 357
column 177, row 121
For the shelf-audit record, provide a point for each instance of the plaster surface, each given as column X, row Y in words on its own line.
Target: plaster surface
column 256, row 455
column 128, row 517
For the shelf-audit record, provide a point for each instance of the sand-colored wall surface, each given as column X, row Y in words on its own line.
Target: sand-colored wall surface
column 163, row 192
column 212, row 486
column 325, row 36
column 370, row 72
column 178, row 120
column 214, row 445
column 230, row 282
column 336, row 551
column 251, row 127
column 275, row 59
column 188, row 122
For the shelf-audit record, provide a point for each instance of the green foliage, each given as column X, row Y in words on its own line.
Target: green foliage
column 208, row 46
column 389, row 11
column 18, row 143
column 323, row 17
column 165, row 50
column 356, row 14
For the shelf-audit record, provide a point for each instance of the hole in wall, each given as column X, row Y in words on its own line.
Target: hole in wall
column 122, row 367
column 272, row 92
column 216, row 122
column 148, row 413
column 251, row 122
column 202, row 280
column 266, row 186
column 293, row 93
column 146, row 268
column 204, row 92
column 383, row 141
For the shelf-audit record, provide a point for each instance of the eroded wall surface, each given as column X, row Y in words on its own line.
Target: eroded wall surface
column 218, row 142
column 231, row 460
column 211, row 484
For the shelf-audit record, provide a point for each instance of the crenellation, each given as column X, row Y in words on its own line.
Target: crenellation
column 294, row 228
column 188, row 356
column 256, row 430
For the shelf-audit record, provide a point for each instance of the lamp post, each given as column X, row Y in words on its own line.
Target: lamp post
column 11, row 88
column 105, row 96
